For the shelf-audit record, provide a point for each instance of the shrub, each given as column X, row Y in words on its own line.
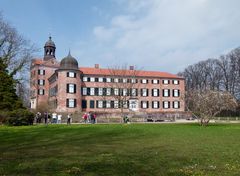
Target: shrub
column 20, row 117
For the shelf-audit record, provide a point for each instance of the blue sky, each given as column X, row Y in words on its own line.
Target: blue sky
column 163, row 35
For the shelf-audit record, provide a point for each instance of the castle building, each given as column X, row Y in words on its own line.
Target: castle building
column 65, row 87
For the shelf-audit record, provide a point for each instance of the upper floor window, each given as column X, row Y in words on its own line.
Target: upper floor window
column 108, row 104
column 100, row 79
column 92, row 103
column 100, row 104
column 41, row 91
column 71, row 88
column 166, row 81
column 41, row 82
column 144, row 81
column 176, row 93
column 71, row 74
column 144, row 92
column 155, row 81
column 41, row 72
column 155, row 92
column 92, row 91
column 115, row 104
column 108, row 91
column 133, row 80
column 71, row 103
column 92, row 79
column 176, row 104
column 155, row 104
column 100, row 91
column 116, row 91
column 175, row 82
column 124, row 80
column 166, row 92
column 84, row 91
column 116, row 80
column 85, row 79
column 166, row 104
column 144, row 104
column 134, row 92
column 108, row 80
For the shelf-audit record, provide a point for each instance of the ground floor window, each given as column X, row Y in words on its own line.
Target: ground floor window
column 71, row 103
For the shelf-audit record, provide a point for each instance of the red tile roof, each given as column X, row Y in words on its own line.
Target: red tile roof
column 139, row 73
column 102, row 71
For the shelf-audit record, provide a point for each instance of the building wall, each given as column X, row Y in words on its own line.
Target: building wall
column 62, row 95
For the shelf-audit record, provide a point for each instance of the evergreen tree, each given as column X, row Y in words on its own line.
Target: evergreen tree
column 9, row 99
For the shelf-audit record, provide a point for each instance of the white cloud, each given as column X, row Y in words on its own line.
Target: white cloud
column 168, row 35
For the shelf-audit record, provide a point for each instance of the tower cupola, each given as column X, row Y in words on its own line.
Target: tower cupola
column 49, row 49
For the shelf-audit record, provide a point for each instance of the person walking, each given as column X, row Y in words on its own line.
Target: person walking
column 69, row 119
column 59, row 119
column 85, row 117
column 94, row 117
column 54, row 117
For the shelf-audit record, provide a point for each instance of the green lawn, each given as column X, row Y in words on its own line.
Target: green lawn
column 134, row 149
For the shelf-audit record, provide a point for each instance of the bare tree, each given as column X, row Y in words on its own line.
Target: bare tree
column 15, row 54
column 123, row 86
column 207, row 104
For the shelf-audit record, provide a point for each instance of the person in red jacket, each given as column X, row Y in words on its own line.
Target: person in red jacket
column 85, row 116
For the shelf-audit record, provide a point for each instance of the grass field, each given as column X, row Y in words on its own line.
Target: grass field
column 135, row 149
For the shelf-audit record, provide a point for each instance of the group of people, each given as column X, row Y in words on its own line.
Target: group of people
column 55, row 118
column 89, row 117
column 48, row 118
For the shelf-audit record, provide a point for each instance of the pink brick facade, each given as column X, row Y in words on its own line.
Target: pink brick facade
column 69, row 88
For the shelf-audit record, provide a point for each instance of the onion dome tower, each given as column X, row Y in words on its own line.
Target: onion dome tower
column 69, row 63
column 49, row 49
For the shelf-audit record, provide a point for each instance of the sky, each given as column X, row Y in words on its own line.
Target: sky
column 160, row 35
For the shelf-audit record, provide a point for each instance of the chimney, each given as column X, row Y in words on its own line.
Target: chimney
column 131, row 68
column 96, row 65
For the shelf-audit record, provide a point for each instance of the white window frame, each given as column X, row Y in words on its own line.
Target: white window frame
column 71, row 88
column 108, row 91
column 176, row 104
column 41, row 91
column 144, row 92
column 144, row 81
column 116, row 91
column 134, row 92
column 124, row 80
column 155, row 92
column 41, row 72
column 116, row 105
column 116, row 80
column 100, row 79
column 108, row 80
column 108, row 104
column 175, row 82
column 92, row 79
column 84, row 92
column 155, row 81
column 100, row 104
column 165, row 93
column 100, row 91
column 155, row 104
column 41, row 82
column 166, row 105
column 165, row 81
column 92, row 91
column 71, row 103
column 175, row 93
column 133, row 80
column 124, row 92
column 85, row 79
column 71, row 74
column 144, row 105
